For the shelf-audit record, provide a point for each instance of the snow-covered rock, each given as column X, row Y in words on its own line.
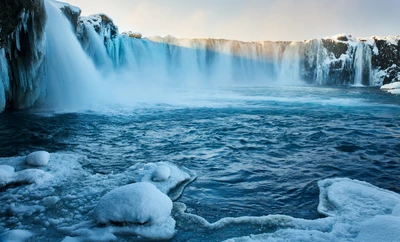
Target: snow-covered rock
column 71, row 12
column 135, row 203
column 38, row 158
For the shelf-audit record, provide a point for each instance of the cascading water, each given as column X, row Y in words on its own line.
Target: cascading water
column 206, row 61
column 72, row 79
column 362, row 65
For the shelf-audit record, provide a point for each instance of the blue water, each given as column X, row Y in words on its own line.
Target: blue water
column 256, row 151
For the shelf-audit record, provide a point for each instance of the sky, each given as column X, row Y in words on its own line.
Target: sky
column 250, row 20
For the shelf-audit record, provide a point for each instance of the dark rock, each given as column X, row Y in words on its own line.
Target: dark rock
column 335, row 47
column 72, row 13
column 23, row 24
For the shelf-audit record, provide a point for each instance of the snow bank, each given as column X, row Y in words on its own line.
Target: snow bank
column 38, row 158
column 135, row 203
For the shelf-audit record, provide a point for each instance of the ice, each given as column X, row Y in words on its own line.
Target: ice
column 38, row 158
column 357, row 211
column 139, row 203
column 15, row 236
column 4, row 80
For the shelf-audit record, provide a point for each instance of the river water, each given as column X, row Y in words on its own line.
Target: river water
column 256, row 150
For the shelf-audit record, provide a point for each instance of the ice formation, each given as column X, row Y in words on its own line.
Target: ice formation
column 38, row 158
column 356, row 211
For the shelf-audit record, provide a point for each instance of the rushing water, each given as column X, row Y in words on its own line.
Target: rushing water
column 256, row 150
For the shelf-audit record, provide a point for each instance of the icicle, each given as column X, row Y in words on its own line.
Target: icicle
column 4, row 80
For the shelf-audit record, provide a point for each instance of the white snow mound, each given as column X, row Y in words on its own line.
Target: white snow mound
column 139, row 203
column 38, row 158
column 161, row 173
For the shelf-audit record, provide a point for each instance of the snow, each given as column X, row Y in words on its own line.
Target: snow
column 38, row 158
column 9, row 176
column 161, row 173
column 380, row 228
column 15, row 236
column 393, row 88
column 139, row 203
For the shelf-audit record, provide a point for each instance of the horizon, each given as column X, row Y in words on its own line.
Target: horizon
column 285, row 20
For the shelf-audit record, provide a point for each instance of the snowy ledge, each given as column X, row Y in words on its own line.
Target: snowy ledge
column 393, row 88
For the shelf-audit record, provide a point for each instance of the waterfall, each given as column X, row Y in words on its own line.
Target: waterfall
column 72, row 79
column 362, row 65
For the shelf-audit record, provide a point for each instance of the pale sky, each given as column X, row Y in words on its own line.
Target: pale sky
column 250, row 20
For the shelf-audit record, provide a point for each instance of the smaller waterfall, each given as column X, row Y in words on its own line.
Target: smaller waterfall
column 290, row 64
column 362, row 65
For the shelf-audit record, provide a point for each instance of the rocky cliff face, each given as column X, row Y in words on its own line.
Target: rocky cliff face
column 22, row 54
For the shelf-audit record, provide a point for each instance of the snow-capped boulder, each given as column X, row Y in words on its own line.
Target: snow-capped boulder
column 161, row 173
column 71, row 12
column 138, row 203
column 38, row 158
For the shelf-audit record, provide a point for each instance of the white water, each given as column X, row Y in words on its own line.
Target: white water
column 72, row 79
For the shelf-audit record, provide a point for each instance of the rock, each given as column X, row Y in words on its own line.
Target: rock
column 38, row 158
column 71, row 12
column 131, row 34
column 138, row 203
column 21, row 34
